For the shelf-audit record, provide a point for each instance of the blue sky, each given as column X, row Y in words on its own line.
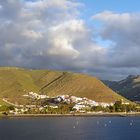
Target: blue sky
column 94, row 6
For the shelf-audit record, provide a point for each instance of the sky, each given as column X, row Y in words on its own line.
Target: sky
column 96, row 37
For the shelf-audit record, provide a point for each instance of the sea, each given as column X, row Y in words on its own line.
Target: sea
column 70, row 128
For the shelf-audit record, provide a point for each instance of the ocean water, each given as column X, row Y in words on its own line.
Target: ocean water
column 70, row 128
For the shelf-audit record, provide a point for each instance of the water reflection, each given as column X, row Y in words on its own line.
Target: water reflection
column 71, row 128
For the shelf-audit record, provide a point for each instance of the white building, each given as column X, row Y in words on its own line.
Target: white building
column 79, row 107
column 35, row 95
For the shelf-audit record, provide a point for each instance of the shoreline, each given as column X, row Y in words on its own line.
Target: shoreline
column 120, row 114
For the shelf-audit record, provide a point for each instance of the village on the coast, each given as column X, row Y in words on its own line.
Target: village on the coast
column 65, row 104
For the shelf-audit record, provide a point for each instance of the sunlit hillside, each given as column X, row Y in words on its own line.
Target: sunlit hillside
column 15, row 82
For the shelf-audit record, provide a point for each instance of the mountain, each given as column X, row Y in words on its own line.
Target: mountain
column 15, row 82
column 128, row 87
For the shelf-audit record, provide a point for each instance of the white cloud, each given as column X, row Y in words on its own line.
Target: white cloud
column 51, row 34
column 109, row 16
column 45, row 34
column 123, row 30
column 32, row 34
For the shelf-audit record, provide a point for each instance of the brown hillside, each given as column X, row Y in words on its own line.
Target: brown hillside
column 15, row 82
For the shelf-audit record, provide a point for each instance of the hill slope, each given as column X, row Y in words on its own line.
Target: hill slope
column 15, row 82
column 129, row 87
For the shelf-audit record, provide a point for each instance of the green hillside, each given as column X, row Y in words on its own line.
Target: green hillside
column 15, row 82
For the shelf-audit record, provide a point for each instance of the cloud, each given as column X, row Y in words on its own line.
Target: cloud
column 46, row 34
column 52, row 34
column 123, row 30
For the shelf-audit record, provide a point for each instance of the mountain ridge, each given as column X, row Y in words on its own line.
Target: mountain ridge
column 128, row 87
column 15, row 82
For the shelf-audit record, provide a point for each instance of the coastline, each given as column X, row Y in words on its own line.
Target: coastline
column 120, row 114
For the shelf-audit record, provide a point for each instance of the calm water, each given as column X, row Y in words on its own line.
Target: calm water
column 71, row 128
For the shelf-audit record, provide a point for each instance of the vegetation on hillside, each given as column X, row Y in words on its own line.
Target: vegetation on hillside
column 15, row 82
